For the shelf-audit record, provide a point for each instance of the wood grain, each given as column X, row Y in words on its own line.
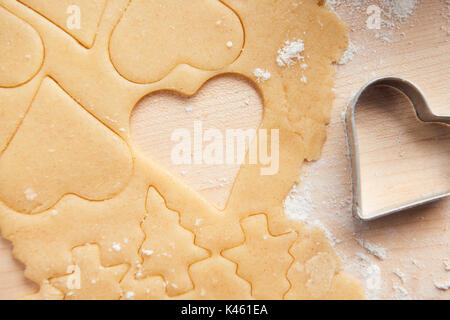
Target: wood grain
column 227, row 102
column 401, row 159
column 12, row 282
column 417, row 241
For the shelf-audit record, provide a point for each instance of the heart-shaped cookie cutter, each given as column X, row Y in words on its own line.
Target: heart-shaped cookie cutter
column 423, row 113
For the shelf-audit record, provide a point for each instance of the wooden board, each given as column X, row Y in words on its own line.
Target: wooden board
column 417, row 241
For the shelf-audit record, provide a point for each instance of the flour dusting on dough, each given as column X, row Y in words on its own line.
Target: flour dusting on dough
column 290, row 53
column 129, row 295
column 30, row 195
column 370, row 272
column 147, row 252
column 299, row 204
column 116, row 247
column 261, row 74
column 330, row 236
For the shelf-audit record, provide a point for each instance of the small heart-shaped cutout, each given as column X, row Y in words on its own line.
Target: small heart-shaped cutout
column 228, row 102
column 205, row 34
column 59, row 149
column 401, row 158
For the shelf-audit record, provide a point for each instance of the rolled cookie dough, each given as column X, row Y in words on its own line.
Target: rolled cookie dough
column 91, row 205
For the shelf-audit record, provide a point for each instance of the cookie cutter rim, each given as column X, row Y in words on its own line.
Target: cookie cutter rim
column 423, row 113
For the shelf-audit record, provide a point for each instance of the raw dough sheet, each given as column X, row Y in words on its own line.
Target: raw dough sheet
column 93, row 216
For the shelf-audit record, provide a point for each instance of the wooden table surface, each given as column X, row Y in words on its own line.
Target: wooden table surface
column 416, row 242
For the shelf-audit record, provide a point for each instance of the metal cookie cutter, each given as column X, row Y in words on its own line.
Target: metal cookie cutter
column 423, row 112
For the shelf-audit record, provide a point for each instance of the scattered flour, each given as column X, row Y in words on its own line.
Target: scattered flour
column 400, row 275
column 417, row 264
column 447, row 262
column 30, row 195
column 332, row 4
column 349, row 54
column 402, row 8
column 380, row 253
column 330, row 236
column 391, row 9
column 442, row 286
column 400, row 293
column 373, row 278
column 116, row 247
column 299, row 204
column 147, row 252
column 261, row 75
column 290, row 53
column 369, row 271
column 393, row 13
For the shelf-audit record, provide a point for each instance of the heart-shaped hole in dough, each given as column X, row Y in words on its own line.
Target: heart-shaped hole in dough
column 224, row 102
column 401, row 158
